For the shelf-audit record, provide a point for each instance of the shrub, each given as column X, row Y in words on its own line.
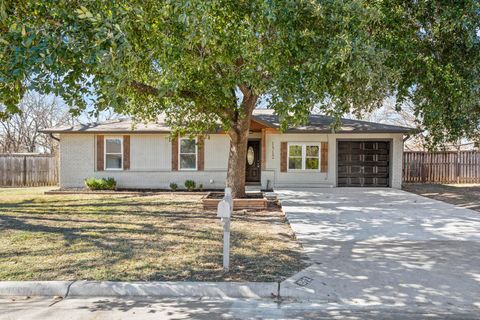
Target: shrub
column 173, row 186
column 101, row 184
column 200, row 186
column 190, row 185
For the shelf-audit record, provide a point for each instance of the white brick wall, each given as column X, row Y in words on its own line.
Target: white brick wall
column 150, row 158
column 77, row 159
column 150, row 152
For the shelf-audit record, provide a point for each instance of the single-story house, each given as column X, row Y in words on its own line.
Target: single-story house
column 357, row 154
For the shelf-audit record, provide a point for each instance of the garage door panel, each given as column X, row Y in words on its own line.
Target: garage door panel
column 384, row 170
column 363, row 163
column 382, row 182
column 373, row 151
column 349, row 157
column 383, row 157
column 375, row 163
column 365, row 175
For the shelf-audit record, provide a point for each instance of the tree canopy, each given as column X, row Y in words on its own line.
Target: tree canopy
column 209, row 62
column 191, row 59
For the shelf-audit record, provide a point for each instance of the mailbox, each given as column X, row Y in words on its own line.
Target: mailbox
column 223, row 209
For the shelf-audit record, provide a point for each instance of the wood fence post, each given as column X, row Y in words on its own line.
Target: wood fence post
column 457, row 166
column 24, row 182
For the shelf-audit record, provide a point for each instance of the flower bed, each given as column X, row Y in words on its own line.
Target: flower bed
column 255, row 200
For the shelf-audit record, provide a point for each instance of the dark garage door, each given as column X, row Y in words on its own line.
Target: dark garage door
column 363, row 163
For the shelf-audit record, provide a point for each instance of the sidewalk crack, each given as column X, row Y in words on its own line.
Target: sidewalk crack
column 68, row 288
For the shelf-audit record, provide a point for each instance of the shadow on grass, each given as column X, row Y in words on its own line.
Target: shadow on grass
column 157, row 240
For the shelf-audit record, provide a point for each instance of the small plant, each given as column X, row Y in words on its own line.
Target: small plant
column 200, row 186
column 173, row 186
column 101, row 184
column 190, row 185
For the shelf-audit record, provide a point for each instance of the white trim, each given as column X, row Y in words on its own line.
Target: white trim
column 180, row 153
column 105, row 138
column 304, row 157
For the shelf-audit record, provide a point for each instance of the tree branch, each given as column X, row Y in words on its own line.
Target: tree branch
column 150, row 90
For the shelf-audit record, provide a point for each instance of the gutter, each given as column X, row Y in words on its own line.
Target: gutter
column 412, row 132
column 53, row 137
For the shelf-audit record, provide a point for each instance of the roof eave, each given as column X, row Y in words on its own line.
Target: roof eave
column 104, row 132
column 346, row 131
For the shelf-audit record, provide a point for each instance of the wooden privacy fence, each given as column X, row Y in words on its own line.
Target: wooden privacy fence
column 28, row 170
column 441, row 167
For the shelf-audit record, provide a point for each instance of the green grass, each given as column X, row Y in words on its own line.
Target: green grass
column 124, row 237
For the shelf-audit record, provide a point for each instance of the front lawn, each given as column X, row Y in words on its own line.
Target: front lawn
column 125, row 237
column 463, row 195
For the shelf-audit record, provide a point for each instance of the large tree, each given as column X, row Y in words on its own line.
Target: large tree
column 21, row 132
column 209, row 63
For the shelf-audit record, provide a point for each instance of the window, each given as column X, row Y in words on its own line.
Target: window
column 113, row 153
column 187, row 154
column 303, row 156
column 295, row 160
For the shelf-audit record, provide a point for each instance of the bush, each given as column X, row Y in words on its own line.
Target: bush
column 101, row 184
column 173, row 186
column 190, row 185
column 200, row 186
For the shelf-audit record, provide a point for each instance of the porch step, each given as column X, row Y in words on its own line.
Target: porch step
column 253, row 188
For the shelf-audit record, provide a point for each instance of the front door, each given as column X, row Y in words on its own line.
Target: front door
column 253, row 166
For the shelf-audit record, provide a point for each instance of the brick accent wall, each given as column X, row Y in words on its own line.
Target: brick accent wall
column 324, row 157
column 175, row 154
column 126, row 152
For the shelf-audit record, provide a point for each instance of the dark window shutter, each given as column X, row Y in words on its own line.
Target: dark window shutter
column 175, row 154
column 200, row 154
column 126, row 152
column 100, row 154
column 324, row 157
column 283, row 156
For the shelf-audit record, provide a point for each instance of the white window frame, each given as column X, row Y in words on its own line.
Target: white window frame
column 304, row 146
column 180, row 154
column 105, row 152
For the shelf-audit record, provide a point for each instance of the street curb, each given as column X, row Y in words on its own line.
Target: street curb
column 34, row 288
column 130, row 289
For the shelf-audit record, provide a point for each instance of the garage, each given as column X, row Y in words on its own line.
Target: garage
column 363, row 163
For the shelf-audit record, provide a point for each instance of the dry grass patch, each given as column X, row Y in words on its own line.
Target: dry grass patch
column 124, row 237
column 463, row 195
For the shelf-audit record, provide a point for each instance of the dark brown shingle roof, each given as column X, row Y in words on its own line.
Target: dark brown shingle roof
column 322, row 124
column 315, row 124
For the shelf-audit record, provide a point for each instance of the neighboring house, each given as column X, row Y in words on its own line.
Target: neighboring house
column 359, row 154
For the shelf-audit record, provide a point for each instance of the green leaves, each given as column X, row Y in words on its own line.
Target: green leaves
column 83, row 13
column 189, row 58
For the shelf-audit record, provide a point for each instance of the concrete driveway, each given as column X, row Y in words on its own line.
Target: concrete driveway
column 385, row 247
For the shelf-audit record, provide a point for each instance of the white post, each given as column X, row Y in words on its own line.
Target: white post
column 226, row 244
column 224, row 211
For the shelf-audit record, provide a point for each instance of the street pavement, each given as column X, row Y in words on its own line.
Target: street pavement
column 106, row 308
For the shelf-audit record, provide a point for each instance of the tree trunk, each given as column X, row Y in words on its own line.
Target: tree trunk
column 238, row 144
